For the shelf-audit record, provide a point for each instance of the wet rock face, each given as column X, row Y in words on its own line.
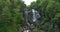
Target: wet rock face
column 31, row 20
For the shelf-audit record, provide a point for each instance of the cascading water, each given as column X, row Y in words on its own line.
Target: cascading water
column 35, row 15
column 29, row 16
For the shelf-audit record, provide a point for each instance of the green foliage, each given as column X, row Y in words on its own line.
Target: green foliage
column 10, row 16
column 50, row 14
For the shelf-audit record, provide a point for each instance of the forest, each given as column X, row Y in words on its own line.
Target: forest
column 11, row 15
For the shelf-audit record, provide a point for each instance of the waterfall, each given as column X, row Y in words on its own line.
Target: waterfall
column 30, row 17
column 35, row 15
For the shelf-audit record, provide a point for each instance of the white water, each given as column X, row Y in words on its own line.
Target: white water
column 27, row 31
column 35, row 15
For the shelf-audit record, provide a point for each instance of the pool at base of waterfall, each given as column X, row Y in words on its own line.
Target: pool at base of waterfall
column 27, row 31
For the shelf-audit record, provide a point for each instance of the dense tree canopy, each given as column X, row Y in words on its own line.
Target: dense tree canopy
column 50, row 14
column 11, row 15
